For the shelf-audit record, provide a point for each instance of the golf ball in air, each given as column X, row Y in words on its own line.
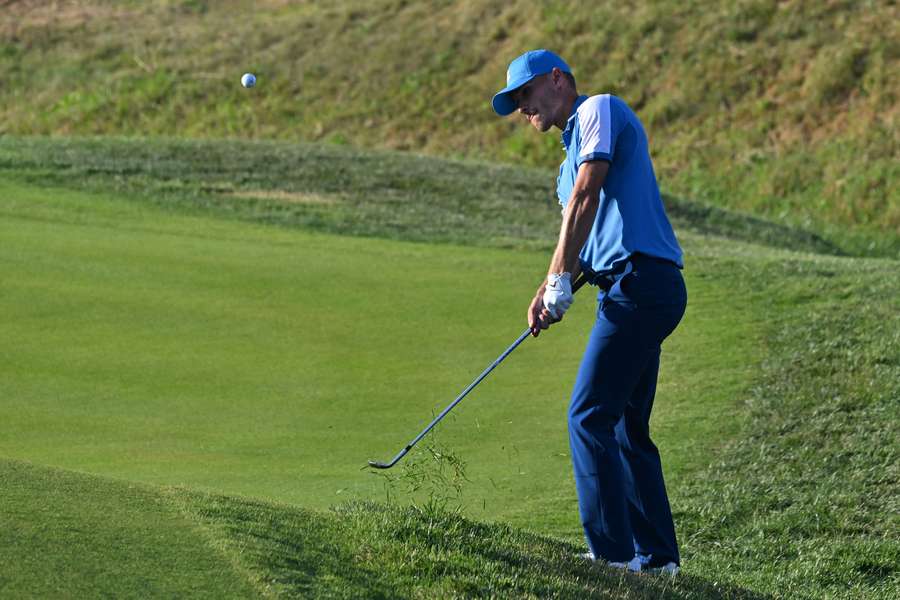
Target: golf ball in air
column 248, row 80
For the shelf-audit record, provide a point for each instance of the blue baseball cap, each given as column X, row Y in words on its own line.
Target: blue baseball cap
column 522, row 70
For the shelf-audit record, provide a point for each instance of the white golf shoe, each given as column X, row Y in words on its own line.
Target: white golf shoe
column 638, row 564
column 667, row 569
column 632, row 566
column 670, row 568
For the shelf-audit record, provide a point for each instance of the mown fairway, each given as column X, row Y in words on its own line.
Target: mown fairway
column 272, row 363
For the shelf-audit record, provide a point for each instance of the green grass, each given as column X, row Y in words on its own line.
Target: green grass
column 251, row 321
column 77, row 535
column 805, row 500
column 783, row 110
column 159, row 331
column 68, row 535
column 150, row 345
column 345, row 191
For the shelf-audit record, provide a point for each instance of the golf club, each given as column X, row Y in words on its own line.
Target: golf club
column 382, row 465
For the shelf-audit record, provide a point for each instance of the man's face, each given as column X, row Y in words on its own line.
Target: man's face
column 539, row 101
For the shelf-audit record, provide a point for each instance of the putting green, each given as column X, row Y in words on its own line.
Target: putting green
column 268, row 362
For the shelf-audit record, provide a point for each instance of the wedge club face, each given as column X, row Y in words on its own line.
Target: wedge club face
column 377, row 464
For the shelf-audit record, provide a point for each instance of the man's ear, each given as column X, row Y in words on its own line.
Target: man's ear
column 556, row 77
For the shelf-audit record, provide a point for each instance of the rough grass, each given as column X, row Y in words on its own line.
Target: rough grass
column 76, row 535
column 804, row 502
column 786, row 110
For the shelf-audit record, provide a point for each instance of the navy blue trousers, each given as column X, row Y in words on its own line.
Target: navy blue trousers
column 621, row 494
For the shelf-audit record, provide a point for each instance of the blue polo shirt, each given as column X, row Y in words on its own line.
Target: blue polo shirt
column 630, row 217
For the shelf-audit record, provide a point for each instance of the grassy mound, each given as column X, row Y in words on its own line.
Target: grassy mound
column 787, row 110
column 69, row 535
column 345, row 191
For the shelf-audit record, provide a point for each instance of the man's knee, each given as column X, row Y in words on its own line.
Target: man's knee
column 592, row 420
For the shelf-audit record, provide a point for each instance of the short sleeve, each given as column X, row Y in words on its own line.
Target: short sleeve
column 597, row 132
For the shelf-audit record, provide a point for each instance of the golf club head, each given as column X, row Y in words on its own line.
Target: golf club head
column 379, row 465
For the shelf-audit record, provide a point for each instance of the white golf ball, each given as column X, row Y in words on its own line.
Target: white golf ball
column 248, row 80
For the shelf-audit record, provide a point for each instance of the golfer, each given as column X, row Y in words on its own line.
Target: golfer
column 614, row 231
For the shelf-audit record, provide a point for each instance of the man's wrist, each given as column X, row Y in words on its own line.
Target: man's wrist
column 553, row 278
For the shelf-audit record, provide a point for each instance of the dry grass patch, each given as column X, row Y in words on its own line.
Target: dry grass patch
column 24, row 14
column 286, row 197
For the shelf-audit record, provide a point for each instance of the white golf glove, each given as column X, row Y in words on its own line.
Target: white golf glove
column 558, row 294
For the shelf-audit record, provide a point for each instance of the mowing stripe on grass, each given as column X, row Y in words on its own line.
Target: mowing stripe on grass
column 66, row 535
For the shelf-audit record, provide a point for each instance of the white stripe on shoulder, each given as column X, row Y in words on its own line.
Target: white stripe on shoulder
column 595, row 123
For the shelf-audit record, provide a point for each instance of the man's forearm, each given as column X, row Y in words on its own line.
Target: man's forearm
column 581, row 210
column 576, row 226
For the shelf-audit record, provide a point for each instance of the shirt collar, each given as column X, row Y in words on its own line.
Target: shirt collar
column 570, row 124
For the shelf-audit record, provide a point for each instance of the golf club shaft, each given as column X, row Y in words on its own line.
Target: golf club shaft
column 459, row 398
column 575, row 287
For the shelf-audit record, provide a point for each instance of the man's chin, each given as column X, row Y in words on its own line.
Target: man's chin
column 539, row 125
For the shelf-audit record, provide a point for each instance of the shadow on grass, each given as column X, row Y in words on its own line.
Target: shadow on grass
column 381, row 194
column 560, row 572
column 698, row 587
column 366, row 549
column 711, row 220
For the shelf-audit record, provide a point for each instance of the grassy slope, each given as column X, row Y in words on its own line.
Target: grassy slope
column 344, row 191
column 76, row 535
column 805, row 500
column 813, row 509
column 783, row 109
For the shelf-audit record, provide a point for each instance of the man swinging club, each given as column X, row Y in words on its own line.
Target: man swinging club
column 615, row 230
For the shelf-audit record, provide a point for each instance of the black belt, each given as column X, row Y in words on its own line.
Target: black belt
column 604, row 282
column 607, row 280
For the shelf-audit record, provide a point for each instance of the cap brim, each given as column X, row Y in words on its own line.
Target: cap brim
column 502, row 102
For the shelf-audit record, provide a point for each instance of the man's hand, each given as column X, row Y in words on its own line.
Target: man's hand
column 538, row 317
column 558, row 294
